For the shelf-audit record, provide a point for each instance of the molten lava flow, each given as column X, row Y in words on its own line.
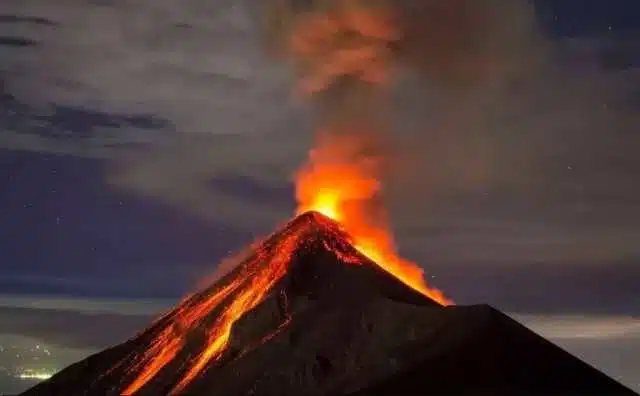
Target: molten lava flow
column 340, row 185
column 245, row 291
column 259, row 273
column 258, row 280
column 342, row 50
column 242, row 292
column 168, row 343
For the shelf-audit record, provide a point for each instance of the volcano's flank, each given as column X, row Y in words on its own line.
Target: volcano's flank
column 313, row 316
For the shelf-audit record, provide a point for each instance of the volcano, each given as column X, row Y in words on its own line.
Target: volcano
column 305, row 313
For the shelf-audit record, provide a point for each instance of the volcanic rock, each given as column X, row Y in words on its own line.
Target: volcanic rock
column 333, row 322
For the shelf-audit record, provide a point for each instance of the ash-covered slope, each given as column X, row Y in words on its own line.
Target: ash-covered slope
column 495, row 356
column 324, row 320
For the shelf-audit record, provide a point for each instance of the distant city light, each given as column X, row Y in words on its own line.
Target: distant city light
column 27, row 375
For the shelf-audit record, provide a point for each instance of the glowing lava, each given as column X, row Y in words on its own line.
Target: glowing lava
column 259, row 277
column 351, row 43
column 171, row 339
column 215, row 312
column 245, row 289
column 347, row 51
column 341, row 186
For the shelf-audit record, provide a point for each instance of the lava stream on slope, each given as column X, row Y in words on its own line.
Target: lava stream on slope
column 240, row 291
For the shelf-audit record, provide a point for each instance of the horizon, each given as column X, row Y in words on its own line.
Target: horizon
column 133, row 164
column 588, row 337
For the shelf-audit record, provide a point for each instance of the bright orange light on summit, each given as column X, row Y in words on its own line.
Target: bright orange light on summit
column 341, row 180
column 341, row 186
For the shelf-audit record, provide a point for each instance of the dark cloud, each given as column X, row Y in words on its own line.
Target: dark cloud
column 81, row 131
column 25, row 19
column 17, row 42
column 463, row 43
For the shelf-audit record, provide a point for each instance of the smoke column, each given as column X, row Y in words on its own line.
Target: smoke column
column 347, row 54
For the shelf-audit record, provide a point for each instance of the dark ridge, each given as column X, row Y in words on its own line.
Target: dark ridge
column 8, row 18
column 17, row 42
column 337, row 324
column 501, row 357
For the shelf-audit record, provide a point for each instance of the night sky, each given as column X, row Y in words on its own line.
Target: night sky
column 81, row 102
column 66, row 229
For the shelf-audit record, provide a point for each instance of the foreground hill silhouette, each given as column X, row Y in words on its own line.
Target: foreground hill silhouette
column 325, row 320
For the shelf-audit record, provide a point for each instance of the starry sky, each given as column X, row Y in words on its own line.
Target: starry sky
column 139, row 145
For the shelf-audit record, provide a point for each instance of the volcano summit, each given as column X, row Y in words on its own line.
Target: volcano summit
column 307, row 314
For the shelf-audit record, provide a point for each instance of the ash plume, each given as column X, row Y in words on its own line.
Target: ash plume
column 349, row 55
column 462, row 99
column 348, row 63
column 459, row 100
column 456, row 43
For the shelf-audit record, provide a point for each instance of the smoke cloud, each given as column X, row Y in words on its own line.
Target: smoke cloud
column 349, row 58
column 467, row 104
column 463, row 101
column 349, row 55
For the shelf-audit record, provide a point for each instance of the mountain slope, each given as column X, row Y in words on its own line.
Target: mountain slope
column 496, row 356
column 306, row 314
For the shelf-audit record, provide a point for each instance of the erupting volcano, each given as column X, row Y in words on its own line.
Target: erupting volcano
column 309, row 313
column 325, row 305
column 247, row 287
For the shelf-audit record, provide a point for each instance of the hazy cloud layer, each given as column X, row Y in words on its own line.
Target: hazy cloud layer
column 70, row 329
column 610, row 343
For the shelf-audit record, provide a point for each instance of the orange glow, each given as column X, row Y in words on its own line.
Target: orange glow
column 245, row 291
column 257, row 282
column 338, row 181
column 168, row 343
column 246, row 288
column 341, row 186
column 353, row 41
column 259, row 274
